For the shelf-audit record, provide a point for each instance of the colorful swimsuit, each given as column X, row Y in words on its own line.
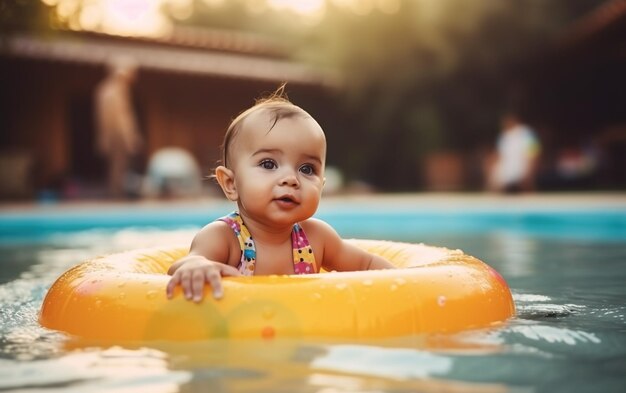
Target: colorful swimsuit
column 303, row 258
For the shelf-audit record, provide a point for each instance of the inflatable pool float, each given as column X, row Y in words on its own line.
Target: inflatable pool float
column 122, row 297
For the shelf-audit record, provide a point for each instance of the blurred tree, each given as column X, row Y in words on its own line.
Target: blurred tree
column 418, row 75
column 435, row 76
column 23, row 15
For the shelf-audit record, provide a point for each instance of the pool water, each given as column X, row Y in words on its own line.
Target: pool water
column 566, row 268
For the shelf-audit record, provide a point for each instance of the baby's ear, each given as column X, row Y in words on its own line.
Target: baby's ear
column 226, row 179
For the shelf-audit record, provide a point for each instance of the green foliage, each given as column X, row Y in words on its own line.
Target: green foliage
column 23, row 15
column 435, row 75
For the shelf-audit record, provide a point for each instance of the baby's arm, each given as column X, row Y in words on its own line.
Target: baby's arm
column 203, row 264
column 340, row 255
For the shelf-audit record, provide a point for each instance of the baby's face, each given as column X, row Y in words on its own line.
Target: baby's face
column 279, row 174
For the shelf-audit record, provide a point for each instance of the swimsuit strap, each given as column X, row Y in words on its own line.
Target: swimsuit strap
column 246, row 243
column 303, row 257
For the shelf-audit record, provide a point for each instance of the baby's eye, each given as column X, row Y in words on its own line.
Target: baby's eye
column 307, row 169
column 268, row 164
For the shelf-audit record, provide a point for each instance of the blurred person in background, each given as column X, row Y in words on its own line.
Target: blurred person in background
column 172, row 172
column 514, row 166
column 118, row 136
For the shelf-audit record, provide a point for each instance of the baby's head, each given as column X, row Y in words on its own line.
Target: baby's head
column 268, row 111
column 273, row 160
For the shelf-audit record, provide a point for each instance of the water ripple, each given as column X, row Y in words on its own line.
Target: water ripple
column 114, row 369
column 555, row 335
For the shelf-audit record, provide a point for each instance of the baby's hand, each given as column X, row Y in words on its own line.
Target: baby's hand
column 193, row 271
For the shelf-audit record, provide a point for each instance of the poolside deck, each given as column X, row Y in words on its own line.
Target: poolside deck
column 436, row 201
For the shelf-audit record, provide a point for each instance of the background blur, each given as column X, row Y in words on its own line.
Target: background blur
column 410, row 92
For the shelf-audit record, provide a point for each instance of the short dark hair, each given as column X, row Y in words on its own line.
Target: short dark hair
column 277, row 104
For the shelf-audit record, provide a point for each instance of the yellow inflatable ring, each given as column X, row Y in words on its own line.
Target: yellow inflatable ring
column 122, row 297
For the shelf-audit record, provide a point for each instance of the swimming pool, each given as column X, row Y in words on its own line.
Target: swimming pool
column 564, row 262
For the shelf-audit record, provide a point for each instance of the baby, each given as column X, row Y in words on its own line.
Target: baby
column 273, row 160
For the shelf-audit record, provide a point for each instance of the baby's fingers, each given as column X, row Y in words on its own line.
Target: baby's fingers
column 185, row 283
column 169, row 289
column 214, row 278
column 197, row 285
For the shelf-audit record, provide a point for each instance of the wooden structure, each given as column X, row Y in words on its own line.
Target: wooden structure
column 188, row 88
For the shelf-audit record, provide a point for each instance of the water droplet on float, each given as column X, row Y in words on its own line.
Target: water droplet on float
column 400, row 281
column 98, row 303
column 316, row 296
column 151, row 294
column 393, row 287
column 122, row 295
column 367, row 283
column 341, row 286
column 441, row 301
column 121, row 285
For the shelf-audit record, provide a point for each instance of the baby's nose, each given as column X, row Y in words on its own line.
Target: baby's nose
column 289, row 179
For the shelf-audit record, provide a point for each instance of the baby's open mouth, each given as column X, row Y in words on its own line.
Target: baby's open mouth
column 286, row 199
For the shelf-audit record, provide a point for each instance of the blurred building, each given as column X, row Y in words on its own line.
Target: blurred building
column 188, row 88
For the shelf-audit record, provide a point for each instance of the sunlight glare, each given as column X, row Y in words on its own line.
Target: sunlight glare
column 363, row 7
column 151, row 18
column 133, row 17
column 66, row 8
column 388, row 6
column 118, row 17
column 256, row 6
column 90, row 17
column 302, row 7
column 213, row 3
column 180, row 9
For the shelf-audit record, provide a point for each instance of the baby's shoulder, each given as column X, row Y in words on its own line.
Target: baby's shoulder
column 313, row 223
column 215, row 230
column 215, row 241
column 315, row 227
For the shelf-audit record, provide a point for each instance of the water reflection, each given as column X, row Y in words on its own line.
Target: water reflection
column 515, row 253
column 539, row 350
column 553, row 335
column 112, row 370
column 385, row 362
